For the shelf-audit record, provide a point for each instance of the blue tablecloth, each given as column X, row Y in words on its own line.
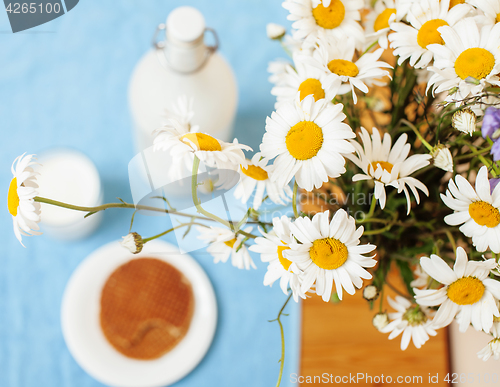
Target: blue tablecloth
column 65, row 84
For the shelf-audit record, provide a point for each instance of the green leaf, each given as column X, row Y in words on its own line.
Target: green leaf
column 406, row 274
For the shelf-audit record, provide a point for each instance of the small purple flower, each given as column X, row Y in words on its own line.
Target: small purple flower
column 493, row 183
column 495, row 150
column 491, row 122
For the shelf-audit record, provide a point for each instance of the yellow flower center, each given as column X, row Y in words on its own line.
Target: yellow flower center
column 203, row 141
column 415, row 316
column 484, row 214
column 474, row 62
column 455, row 2
column 13, row 197
column 311, row 86
column 284, row 262
column 382, row 20
column 304, row 140
column 343, row 67
column 230, row 243
column 328, row 253
column 466, row 291
column 428, row 33
column 498, row 18
column 384, row 164
column 329, row 17
column 255, row 172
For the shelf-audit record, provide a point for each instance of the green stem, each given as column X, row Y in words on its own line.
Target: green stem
column 196, row 201
column 112, row 205
column 419, row 135
column 282, row 360
column 379, row 231
column 369, row 47
column 381, row 304
column 92, row 210
column 244, row 219
column 146, row 240
column 287, row 51
column 452, row 240
column 374, row 220
column 484, row 161
column 473, row 153
column 294, row 200
column 395, row 290
column 201, row 210
column 373, row 204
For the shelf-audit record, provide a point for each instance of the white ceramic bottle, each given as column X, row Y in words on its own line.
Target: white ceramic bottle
column 183, row 65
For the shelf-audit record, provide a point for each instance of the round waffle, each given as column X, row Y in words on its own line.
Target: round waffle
column 146, row 308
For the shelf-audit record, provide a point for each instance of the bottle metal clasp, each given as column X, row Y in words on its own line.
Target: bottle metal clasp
column 160, row 45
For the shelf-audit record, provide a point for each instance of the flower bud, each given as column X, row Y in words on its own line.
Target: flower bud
column 370, row 293
column 464, row 120
column 275, row 31
column 133, row 242
column 442, row 158
column 380, row 320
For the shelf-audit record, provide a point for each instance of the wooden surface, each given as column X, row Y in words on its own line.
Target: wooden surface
column 339, row 339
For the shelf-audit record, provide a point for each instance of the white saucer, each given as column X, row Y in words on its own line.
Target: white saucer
column 81, row 328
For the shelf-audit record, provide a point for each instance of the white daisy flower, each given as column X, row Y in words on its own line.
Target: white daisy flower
column 468, row 291
column 212, row 152
column 464, row 120
column 339, row 18
column 388, row 166
column 177, row 122
column 255, row 177
column 292, row 45
column 456, row 2
column 335, row 58
column 223, row 243
column 490, row 10
column 421, row 278
column 493, row 347
column 377, row 22
column 133, row 242
column 181, row 112
column 271, row 248
column 491, row 350
column 412, row 321
column 425, row 16
column 20, row 198
column 329, row 251
column 478, row 211
column 275, row 31
column 468, row 62
column 304, row 79
column 423, row 76
column 404, row 6
column 309, row 139
column 442, row 158
column 278, row 70
column 325, row 3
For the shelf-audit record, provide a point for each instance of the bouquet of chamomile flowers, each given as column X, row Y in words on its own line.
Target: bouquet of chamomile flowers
column 386, row 119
